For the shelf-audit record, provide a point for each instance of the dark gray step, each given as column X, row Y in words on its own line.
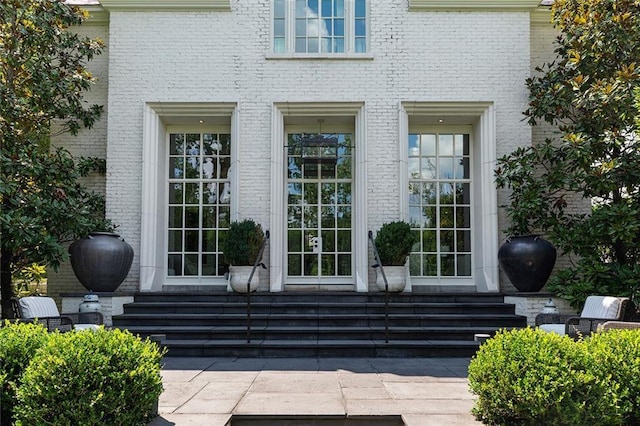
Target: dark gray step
column 315, row 420
column 313, row 333
column 325, row 348
column 316, row 308
column 342, row 297
column 318, row 324
column 302, row 320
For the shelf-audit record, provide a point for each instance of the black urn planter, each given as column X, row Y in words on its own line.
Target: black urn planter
column 101, row 261
column 528, row 261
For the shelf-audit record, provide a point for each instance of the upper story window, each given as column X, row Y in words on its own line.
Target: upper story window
column 320, row 26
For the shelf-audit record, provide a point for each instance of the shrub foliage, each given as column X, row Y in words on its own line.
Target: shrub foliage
column 588, row 93
column 18, row 345
column 394, row 241
column 531, row 377
column 106, row 377
column 242, row 243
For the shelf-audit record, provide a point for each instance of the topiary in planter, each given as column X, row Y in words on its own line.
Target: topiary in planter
column 394, row 242
column 106, row 377
column 241, row 248
column 242, row 243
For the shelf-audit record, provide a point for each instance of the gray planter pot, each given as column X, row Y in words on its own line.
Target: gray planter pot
column 396, row 278
column 101, row 261
column 239, row 275
column 527, row 261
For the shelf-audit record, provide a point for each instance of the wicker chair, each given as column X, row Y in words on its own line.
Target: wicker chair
column 620, row 325
column 45, row 311
column 597, row 311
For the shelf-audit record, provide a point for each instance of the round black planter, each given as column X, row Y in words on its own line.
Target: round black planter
column 528, row 261
column 101, row 261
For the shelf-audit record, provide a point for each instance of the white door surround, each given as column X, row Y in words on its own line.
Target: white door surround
column 287, row 113
column 481, row 116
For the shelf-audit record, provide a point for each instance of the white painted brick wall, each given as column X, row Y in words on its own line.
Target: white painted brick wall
column 531, row 305
column 109, row 306
column 220, row 57
column 88, row 143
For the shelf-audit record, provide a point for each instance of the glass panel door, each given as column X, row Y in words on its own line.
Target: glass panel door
column 440, row 205
column 319, row 211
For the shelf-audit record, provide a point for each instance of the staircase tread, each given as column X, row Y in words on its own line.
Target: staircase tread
column 306, row 343
column 316, row 303
column 309, row 324
column 175, row 328
column 315, row 315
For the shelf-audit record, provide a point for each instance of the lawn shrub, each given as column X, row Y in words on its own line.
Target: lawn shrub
column 19, row 343
column 531, row 377
column 106, row 377
column 616, row 354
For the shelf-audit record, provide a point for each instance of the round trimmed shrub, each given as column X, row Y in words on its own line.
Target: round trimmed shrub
column 531, row 377
column 106, row 377
column 616, row 355
column 19, row 343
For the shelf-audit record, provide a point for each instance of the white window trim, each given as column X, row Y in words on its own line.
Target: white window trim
column 164, row 5
column 481, row 115
column 153, row 263
column 349, row 36
column 473, row 5
column 280, row 111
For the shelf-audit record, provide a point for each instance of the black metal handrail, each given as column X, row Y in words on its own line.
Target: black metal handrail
column 378, row 264
column 257, row 263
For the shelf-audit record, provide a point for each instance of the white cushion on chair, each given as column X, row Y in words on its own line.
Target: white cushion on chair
column 86, row 327
column 553, row 328
column 38, row 307
column 605, row 307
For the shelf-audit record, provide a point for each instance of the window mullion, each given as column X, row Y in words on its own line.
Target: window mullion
column 201, row 206
column 290, row 29
column 349, row 26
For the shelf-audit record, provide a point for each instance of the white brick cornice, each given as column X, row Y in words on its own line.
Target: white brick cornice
column 473, row 5
column 97, row 15
column 164, row 5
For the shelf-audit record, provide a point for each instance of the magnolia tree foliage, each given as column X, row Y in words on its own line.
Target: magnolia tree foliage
column 588, row 94
column 42, row 81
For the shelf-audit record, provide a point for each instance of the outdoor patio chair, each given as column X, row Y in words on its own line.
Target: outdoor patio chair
column 597, row 310
column 45, row 311
column 623, row 325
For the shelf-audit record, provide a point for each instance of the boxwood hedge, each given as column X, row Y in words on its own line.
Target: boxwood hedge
column 530, row 377
column 104, row 377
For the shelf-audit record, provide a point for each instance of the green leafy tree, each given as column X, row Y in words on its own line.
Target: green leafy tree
column 588, row 94
column 42, row 81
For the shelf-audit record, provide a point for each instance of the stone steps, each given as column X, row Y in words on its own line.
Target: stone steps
column 320, row 324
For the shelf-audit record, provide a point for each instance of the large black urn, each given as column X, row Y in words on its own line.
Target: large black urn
column 528, row 261
column 101, row 261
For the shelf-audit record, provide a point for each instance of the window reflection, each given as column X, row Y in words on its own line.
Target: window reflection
column 319, row 205
column 439, row 203
column 320, row 25
column 199, row 194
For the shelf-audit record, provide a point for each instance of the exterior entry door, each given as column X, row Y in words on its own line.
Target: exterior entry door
column 319, row 210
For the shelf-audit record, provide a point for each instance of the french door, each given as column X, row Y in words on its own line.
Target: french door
column 319, row 209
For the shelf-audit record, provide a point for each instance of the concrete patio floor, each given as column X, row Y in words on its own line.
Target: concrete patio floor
column 209, row 391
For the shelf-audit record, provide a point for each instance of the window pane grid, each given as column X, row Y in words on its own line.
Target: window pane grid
column 439, row 204
column 319, row 208
column 319, row 26
column 198, row 203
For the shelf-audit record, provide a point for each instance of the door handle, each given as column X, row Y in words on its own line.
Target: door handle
column 316, row 244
